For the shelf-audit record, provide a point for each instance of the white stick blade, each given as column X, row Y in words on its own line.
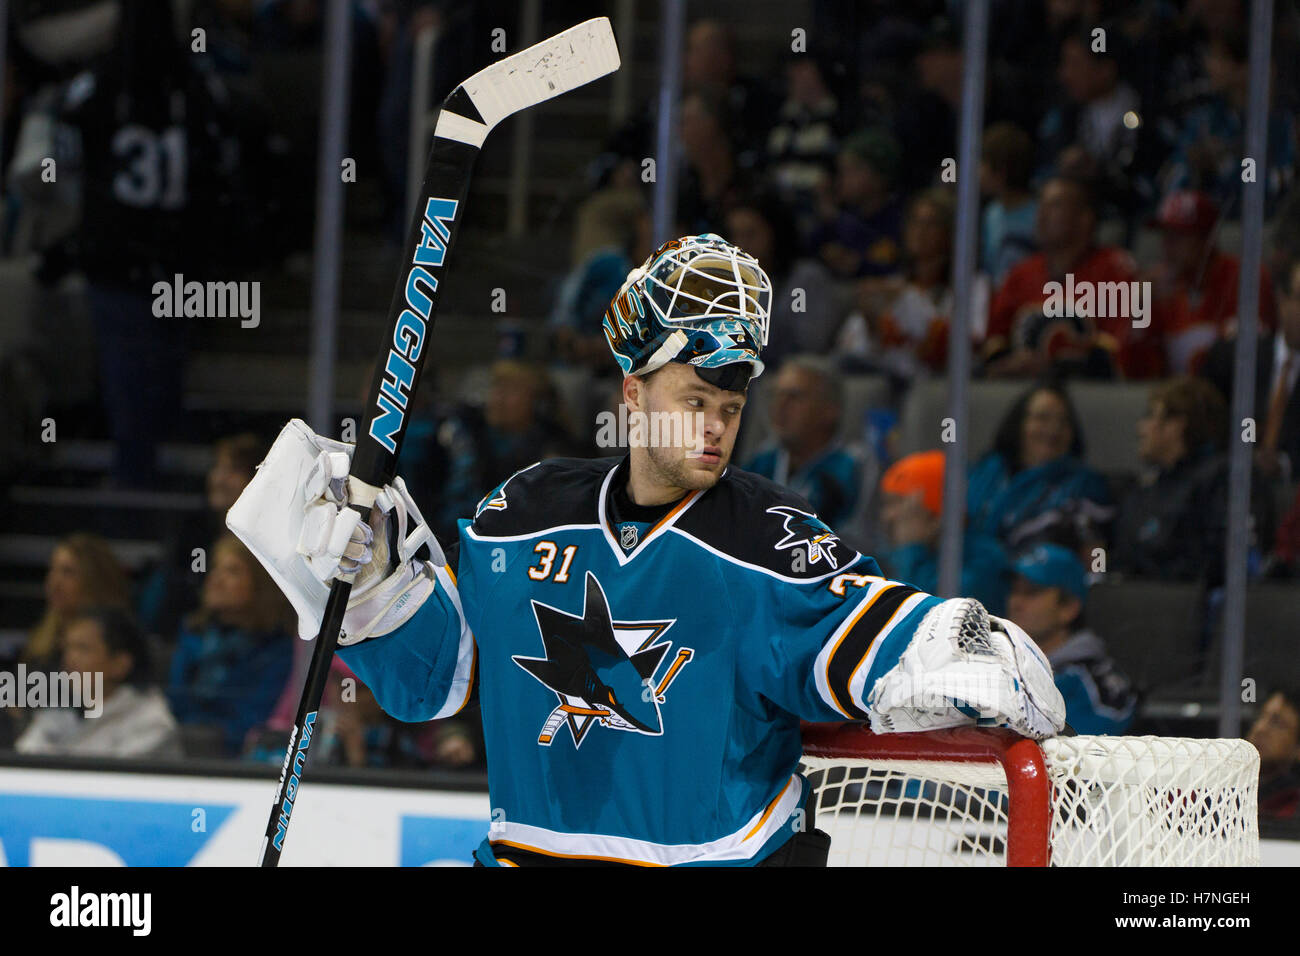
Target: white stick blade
column 564, row 62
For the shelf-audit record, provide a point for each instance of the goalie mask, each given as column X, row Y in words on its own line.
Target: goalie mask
column 698, row 300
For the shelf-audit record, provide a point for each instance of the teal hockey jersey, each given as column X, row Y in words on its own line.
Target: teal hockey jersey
column 642, row 687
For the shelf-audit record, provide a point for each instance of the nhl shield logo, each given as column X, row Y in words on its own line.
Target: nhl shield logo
column 627, row 535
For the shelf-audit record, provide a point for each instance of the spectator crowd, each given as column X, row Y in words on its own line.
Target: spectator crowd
column 1111, row 179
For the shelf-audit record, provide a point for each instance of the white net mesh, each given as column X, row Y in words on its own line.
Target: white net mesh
column 1153, row 801
column 944, row 799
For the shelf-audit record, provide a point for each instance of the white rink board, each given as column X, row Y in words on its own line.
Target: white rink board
column 81, row 818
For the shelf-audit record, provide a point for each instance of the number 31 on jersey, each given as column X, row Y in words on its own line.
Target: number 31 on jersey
column 546, row 552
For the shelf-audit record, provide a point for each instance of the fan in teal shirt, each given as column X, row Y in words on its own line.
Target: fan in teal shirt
column 1033, row 485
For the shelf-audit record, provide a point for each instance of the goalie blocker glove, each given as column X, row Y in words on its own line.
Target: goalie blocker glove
column 294, row 518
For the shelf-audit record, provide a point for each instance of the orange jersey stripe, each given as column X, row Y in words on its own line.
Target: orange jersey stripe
column 570, row 856
column 768, row 812
column 672, row 514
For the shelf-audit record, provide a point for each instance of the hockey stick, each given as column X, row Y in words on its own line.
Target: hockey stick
column 545, row 70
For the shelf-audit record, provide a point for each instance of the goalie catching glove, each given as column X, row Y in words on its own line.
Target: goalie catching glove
column 963, row 663
column 294, row 517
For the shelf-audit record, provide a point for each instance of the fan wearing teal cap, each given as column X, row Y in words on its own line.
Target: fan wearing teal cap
column 1049, row 593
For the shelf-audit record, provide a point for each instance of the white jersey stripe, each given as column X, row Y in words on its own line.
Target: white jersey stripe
column 462, row 680
column 740, row 845
column 539, row 533
column 845, row 566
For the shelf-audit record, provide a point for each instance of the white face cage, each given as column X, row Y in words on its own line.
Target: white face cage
column 707, row 279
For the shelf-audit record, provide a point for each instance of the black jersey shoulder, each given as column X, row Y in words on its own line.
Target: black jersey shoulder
column 551, row 493
column 756, row 521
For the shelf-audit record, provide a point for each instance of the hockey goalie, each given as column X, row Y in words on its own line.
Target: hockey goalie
column 643, row 634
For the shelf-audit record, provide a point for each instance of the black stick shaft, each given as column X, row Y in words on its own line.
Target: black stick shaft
column 304, row 724
column 410, row 322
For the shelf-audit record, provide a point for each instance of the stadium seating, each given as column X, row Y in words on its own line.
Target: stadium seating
column 926, row 406
column 1152, row 630
column 1272, row 653
column 862, row 394
column 1108, row 411
column 1272, row 646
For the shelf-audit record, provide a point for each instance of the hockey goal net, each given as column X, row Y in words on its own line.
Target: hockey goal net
column 975, row 797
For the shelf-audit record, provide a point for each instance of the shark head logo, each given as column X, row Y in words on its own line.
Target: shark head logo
column 494, row 499
column 600, row 669
column 802, row 528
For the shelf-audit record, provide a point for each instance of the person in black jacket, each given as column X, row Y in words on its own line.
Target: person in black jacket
column 1172, row 525
column 169, row 189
